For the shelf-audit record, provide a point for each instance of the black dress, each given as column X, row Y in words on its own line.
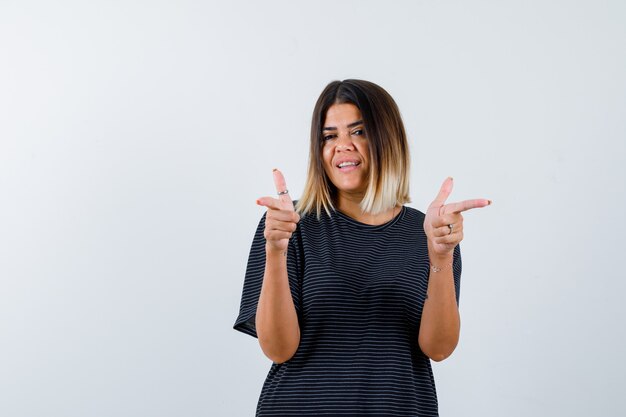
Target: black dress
column 358, row 290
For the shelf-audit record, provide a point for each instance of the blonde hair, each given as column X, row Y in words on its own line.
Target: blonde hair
column 388, row 183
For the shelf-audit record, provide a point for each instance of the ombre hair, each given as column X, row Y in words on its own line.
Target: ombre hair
column 388, row 182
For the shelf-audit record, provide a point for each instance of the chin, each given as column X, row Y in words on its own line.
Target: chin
column 351, row 189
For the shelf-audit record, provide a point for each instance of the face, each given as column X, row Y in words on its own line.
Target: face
column 345, row 150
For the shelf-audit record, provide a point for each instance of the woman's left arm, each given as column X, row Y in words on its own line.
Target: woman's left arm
column 440, row 324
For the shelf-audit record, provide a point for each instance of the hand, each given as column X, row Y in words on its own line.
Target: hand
column 441, row 238
column 281, row 219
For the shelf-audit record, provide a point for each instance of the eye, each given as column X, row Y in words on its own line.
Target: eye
column 359, row 132
column 328, row 137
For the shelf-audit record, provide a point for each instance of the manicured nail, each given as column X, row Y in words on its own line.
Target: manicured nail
column 275, row 169
column 488, row 202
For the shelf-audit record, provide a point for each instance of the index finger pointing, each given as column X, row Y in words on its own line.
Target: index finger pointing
column 466, row 205
column 281, row 188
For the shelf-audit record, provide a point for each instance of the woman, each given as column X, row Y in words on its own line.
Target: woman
column 351, row 293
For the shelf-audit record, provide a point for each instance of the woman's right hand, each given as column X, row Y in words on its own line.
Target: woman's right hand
column 281, row 219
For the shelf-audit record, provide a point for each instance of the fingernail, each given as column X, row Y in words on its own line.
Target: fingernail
column 488, row 202
column 275, row 169
column 451, row 179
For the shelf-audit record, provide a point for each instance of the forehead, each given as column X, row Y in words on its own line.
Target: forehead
column 341, row 115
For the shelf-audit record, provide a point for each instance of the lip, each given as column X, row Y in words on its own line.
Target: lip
column 342, row 160
column 349, row 168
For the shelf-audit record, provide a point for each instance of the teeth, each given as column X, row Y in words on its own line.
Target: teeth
column 346, row 164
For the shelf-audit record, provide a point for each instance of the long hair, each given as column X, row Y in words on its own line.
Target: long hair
column 388, row 182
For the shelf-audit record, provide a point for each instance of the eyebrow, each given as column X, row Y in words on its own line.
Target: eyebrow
column 350, row 126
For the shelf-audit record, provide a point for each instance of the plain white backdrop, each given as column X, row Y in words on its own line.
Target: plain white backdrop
column 136, row 136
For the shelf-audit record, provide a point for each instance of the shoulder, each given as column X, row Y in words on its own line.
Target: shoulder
column 413, row 214
column 412, row 221
column 311, row 217
column 311, row 220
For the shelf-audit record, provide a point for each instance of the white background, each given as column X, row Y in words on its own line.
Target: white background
column 136, row 136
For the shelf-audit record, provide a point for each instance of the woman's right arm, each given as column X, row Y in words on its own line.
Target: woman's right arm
column 276, row 321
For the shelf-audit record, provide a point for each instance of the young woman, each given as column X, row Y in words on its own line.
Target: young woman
column 351, row 293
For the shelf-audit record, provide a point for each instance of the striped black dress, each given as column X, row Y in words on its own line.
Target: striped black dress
column 359, row 291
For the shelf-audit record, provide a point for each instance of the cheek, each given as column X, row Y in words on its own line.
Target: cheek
column 365, row 152
column 327, row 157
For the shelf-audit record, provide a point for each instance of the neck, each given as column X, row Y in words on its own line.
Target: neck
column 349, row 204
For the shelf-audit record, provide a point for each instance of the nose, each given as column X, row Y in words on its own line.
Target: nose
column 344, row 142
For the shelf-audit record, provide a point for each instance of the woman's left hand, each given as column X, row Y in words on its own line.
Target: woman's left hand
column 443, row 223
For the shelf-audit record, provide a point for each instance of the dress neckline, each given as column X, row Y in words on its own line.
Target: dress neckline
column 372, row 227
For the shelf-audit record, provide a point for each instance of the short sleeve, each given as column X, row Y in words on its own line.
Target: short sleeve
column 456, row 271
column 253, row 279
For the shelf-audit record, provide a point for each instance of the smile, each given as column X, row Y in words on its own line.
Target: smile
column 348, row 164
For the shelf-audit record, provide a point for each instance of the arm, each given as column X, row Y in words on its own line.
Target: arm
column 276, row 319
column 440, row 324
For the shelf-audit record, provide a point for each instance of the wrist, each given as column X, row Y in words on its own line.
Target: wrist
column 273, row 252
column 435, row 256
column 440, row 261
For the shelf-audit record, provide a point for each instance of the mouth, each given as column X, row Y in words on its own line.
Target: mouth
column 348, row 165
